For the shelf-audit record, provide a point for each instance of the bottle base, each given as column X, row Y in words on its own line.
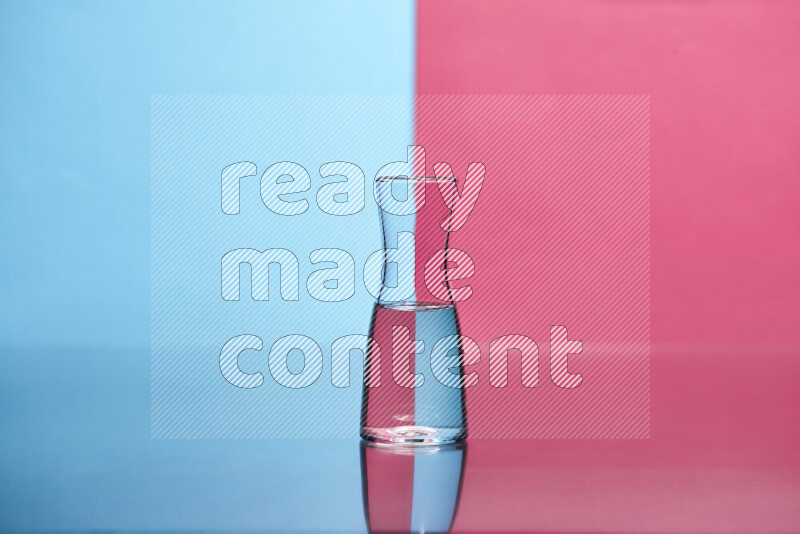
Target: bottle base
column 414, row 435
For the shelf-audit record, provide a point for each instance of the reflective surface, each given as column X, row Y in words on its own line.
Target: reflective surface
column 76, row 455
column 409, row 488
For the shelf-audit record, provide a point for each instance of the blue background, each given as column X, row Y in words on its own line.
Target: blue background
column 193, row 139
column 76, row 88
column 74, row 395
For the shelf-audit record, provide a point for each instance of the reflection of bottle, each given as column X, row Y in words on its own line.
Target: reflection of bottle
column 414, row 319
column 411, row 489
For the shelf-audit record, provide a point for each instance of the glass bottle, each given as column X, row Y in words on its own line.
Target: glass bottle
column 405, row 399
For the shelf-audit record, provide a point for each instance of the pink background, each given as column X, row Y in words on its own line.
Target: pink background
column 560, row 235
column 723, row 80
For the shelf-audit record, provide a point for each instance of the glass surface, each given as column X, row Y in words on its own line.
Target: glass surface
column 414, row 318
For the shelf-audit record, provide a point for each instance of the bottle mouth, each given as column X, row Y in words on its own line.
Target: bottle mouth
column 416, row 178
column 413, row 305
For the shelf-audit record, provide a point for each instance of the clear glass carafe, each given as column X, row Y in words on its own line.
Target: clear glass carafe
column 406, row 399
